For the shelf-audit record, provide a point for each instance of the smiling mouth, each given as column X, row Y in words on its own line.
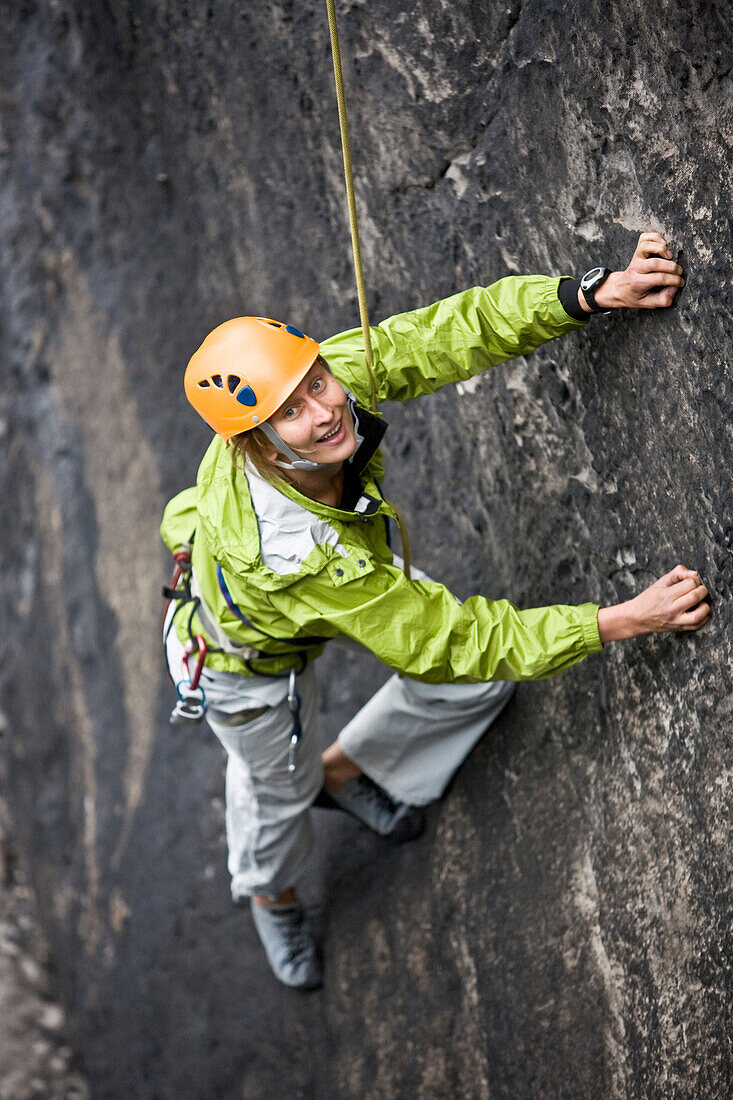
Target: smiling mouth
column 333, row 434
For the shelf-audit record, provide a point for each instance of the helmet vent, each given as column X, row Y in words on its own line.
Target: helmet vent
column 275, row 324
column 204, row 384
column 216, row 379
column 233, row 382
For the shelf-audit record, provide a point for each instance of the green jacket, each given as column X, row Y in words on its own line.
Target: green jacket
column 294, row 567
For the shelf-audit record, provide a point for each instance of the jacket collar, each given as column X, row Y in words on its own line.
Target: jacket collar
column 241, row 516
column 369, row 430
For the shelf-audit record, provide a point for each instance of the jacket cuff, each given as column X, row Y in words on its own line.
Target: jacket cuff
column 588, row 613
column 567, row 292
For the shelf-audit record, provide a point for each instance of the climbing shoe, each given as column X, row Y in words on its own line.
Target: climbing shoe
column 289, row 944
column 371, row 805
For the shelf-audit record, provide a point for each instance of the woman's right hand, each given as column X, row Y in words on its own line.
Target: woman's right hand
column 674, row 602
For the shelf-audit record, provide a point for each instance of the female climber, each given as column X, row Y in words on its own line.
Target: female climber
column 287, row 531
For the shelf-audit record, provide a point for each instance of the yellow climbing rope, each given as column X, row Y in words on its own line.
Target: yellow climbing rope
column 350, row 196
column 355, row 246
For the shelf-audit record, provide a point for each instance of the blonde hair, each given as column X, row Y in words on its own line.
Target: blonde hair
column 251, row 447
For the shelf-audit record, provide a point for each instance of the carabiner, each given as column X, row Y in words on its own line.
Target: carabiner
column 293, row 697
column 191, row 705
column 291, row 751
column 297, row 730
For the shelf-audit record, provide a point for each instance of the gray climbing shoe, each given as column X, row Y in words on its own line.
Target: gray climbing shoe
column 371, row 805
column 289, row 944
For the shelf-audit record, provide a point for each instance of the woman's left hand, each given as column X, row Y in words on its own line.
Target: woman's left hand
column 649, row 282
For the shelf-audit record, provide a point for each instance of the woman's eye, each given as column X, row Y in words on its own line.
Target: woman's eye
column 287, row 413
column 318, row 384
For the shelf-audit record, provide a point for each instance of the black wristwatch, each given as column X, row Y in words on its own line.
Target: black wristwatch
column 589, row 285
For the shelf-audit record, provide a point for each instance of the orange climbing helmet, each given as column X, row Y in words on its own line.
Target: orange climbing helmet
column 244, row 370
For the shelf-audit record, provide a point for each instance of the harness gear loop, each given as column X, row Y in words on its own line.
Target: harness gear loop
column 182, row 558
column 351, row 197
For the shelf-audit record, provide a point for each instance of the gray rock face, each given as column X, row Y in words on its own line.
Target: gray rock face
column 564, row 927
column 35, row 1060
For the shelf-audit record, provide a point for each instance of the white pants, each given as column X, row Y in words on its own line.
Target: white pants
column 409, row 738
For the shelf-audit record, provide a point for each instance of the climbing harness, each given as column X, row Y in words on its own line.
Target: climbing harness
column 191, row 705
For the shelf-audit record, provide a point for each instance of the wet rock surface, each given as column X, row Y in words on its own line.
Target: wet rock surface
column 563, row 929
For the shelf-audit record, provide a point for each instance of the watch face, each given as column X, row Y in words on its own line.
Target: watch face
column 591, row 277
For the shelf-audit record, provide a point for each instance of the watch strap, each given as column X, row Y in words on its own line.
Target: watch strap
column 590, row 283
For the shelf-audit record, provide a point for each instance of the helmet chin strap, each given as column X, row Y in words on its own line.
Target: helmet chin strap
column 296, row 463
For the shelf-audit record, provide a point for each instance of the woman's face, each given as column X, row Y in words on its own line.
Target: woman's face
column 315, row 420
